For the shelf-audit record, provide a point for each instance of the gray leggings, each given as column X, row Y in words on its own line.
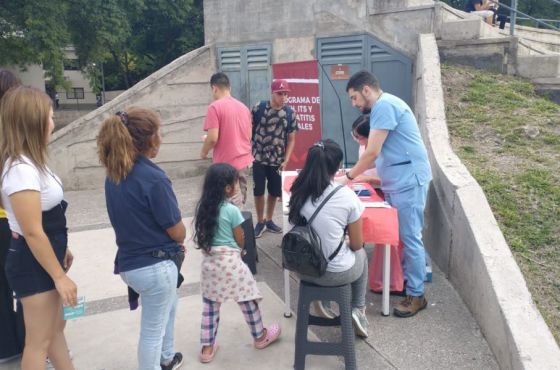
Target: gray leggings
column 356, row 276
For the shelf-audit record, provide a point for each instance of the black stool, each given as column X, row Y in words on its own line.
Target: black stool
column 308, row 293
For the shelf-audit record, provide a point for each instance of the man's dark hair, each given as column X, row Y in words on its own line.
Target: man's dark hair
column 361, row 79
column 220, row 80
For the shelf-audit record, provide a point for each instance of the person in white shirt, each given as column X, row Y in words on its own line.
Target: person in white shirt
column 38, row 257
column 343, row 210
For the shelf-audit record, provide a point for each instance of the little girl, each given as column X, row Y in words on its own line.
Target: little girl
column 224, row 276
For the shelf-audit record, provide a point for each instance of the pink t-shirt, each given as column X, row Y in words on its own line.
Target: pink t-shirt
column 233, row 119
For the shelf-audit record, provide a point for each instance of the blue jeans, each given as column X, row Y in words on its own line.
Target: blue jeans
column 157, row 286
column 410, row 205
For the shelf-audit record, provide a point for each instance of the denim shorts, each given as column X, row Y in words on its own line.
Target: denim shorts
column 25, row 275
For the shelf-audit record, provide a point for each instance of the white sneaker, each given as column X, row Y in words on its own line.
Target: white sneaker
column 360, row 322
column 323, row 309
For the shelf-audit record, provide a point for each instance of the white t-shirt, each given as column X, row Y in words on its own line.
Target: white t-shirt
column 342, row 209
column 22, row 175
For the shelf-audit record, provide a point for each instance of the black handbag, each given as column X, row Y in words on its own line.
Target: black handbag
column 301, row 247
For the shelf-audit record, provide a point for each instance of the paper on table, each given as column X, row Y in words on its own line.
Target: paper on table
column 376, row 204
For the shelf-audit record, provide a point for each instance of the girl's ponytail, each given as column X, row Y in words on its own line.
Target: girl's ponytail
column 115, row 148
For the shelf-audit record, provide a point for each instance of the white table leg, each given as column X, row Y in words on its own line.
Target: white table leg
column 386, row 279
column 287, row 309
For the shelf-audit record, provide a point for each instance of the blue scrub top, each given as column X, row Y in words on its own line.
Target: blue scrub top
column 141, row 207
column 403, row 161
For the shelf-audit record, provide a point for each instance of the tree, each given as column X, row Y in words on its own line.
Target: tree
column 34, row 32
column 101, row 32
column 129, row 38
column 165, row 30
column 133, row 38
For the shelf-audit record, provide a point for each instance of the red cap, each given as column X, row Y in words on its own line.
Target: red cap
column 280, row 86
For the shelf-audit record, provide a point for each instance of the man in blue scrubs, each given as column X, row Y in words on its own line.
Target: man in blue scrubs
column 401, row 160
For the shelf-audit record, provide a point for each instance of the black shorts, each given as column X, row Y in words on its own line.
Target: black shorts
column 266, row 174
column 25, row 275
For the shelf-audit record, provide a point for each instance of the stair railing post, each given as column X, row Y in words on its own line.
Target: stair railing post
column 513, row 15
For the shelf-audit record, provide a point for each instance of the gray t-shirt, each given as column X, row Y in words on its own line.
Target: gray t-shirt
column 342, row 209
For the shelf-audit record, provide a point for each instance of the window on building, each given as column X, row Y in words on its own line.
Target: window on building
column 71, row 65
column 75, row 93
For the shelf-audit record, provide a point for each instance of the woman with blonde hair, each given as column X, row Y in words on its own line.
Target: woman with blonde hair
column 32, row 196
column 150, row 232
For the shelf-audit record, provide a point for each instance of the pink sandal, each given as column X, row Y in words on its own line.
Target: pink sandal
column 272, row 333
column 206, row 358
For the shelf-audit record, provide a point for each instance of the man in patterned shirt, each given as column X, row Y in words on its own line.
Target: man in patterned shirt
column 274, row 136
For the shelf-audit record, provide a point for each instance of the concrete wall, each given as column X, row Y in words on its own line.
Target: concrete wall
column 463, row 238
column 380, row 6
column 110, row 95
column 227, row 22
column 179, row 92
column 292, row 26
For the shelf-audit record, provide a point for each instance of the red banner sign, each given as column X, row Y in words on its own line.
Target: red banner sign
column 304, row 99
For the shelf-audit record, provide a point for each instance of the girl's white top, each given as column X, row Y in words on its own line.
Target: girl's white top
column 20, row 175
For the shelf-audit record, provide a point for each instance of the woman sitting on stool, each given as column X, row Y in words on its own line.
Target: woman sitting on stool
column 343, row 209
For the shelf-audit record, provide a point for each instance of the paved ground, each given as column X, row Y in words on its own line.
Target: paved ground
column 445, row 336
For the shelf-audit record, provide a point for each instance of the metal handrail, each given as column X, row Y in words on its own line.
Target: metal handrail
column 514, row 12
column 551, row 21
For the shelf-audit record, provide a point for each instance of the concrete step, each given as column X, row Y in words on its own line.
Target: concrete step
column 538, row 66
column 491, row 54
column 467, row 29
column 549, row 87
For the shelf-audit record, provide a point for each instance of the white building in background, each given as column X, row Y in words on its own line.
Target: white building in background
column 32, row 75
column 78, row 96
column 80, row 92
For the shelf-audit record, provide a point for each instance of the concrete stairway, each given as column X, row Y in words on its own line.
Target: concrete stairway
column 466, row 39
column 179, row 92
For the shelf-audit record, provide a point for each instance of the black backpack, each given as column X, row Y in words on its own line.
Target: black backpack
column 301, row 247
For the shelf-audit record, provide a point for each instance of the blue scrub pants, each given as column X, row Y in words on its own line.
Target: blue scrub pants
column 410, row 205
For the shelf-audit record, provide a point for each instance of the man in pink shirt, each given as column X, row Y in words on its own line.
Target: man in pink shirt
column 228, row 123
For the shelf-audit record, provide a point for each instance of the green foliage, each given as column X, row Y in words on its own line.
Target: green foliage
column 166, row 31
column 133, row 38
column 34, row 31
column 130, row 39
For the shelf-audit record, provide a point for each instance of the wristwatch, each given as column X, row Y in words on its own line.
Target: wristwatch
column 348, row 176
